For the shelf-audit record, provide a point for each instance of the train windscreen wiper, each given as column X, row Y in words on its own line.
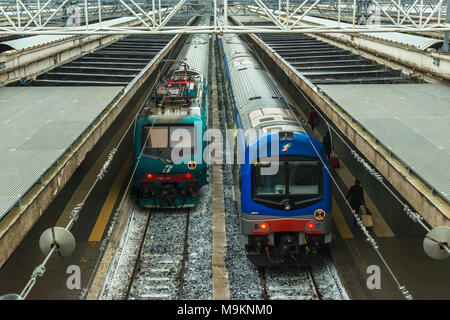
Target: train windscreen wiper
column 269, row 201
column 307, row 200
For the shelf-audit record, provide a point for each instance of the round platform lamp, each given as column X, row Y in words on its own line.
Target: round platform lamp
column 11, row 296
column 437, row 241
column 53, row 239
column 59, row 237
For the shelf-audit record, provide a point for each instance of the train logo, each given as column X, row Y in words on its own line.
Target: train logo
column 167, row 168
column 319, row 214
column 286, row 147
column 191, row 165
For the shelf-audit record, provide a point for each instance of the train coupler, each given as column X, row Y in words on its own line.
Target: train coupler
column 288, row 245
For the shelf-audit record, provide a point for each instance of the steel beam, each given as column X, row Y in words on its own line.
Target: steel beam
column 24, row 17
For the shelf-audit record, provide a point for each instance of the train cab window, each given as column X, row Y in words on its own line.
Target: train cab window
column 163, row 139
column 158, row 137
column 299, row 179
column 270, row 184
column 182, row 137
column 303, row 177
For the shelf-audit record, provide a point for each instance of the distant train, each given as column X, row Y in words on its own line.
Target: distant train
column 173, row 123
column 286, row 215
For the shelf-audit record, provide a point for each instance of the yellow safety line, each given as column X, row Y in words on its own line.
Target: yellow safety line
column 105, row 213
column 340, row 222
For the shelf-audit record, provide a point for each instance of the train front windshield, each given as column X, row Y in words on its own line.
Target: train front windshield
column 299, row 180
column 158, row 138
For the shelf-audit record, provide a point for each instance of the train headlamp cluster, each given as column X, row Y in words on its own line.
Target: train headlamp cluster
column 261, row 227
column 313, row 225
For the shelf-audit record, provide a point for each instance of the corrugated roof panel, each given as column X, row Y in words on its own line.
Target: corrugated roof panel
column 410, row 119
column 39, row 124
column 421, row 43
column 29, row 42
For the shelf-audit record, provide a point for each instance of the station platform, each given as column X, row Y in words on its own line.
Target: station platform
column 423, row 277
column 410, row 120
column 399, row 240
column 39, row 124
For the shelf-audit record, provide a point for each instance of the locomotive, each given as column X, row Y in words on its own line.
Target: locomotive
column 285, row 215
column 168, row 136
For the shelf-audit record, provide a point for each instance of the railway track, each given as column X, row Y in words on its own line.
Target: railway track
column 160, row 265
column 317, row 282
column 288, row 284
column 150, row 264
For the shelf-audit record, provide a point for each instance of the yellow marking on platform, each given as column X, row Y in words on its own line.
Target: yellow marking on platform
column 87, row 252
column 356, row 253
column 340, row 222
column 105, row 213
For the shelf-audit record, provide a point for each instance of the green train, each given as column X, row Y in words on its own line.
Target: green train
column 168, row 136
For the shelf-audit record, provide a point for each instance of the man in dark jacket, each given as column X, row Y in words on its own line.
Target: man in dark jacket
column 356, row 196
column 313, row 119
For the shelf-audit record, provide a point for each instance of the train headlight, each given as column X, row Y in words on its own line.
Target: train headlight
column 310, row 226
column 149, row 176
column 261, row 227
column 319, row 214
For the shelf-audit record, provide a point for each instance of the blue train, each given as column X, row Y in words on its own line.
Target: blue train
column 168, row 136
column 285, row 215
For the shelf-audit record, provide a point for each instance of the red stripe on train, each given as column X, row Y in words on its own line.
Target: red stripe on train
column 166, row 177
column 285, row 225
